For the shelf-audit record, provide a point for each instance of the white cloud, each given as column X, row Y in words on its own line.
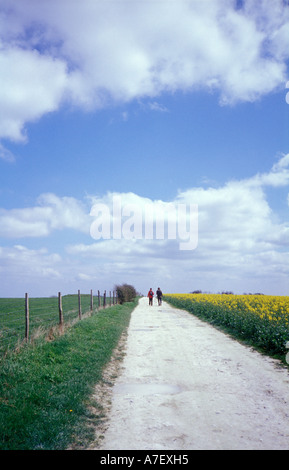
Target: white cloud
column 6, row 155
column 236, row 217
column 155, row 106
column 51, row 213
column 32, row 84
column 242, row 243
column 24, row 262
column 90, row 53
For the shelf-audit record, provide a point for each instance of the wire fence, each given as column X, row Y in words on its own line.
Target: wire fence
column 25, row 320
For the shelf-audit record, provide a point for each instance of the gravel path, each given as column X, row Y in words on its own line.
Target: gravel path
column 185, row 385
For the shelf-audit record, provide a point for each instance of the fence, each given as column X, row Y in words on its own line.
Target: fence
column 22, row 321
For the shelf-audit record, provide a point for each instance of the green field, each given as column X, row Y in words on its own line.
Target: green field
column 43, row 315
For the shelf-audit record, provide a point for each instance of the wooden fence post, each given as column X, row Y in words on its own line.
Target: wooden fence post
column 91, row 301
column 26, row 318
column 79, row 305
column 110, row 298
column 60, row 310
column 98, row 295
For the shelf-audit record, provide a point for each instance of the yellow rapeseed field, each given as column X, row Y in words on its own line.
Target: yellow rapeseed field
column 273, row 308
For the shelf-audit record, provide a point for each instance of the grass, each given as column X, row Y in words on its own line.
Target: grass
column 46, row 389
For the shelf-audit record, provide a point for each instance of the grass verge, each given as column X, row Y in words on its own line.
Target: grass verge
column 46, row 389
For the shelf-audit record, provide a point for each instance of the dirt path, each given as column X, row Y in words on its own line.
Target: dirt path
column 185, row 385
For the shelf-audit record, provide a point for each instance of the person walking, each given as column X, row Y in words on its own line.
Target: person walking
column 150, row 296
column 159, row 296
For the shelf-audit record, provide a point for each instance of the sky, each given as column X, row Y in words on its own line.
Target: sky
column 160, row 103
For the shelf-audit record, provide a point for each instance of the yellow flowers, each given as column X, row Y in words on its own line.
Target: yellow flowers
column 261, row 319
column 272, row 308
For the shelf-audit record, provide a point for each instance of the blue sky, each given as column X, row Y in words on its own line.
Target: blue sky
column 171, row 101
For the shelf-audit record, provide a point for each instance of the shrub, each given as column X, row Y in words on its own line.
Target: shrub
column 125, row 293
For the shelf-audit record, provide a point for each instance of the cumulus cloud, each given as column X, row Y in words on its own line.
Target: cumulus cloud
column 242, row 243
column 51, row 213
column 6, row 155
column 92, row 53
column 240, row 237
column 19, row 263
column 31, row 86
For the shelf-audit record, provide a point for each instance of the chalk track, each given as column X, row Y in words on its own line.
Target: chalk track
column 185, row 385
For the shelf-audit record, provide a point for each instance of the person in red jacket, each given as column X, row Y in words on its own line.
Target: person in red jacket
column 150, row 296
